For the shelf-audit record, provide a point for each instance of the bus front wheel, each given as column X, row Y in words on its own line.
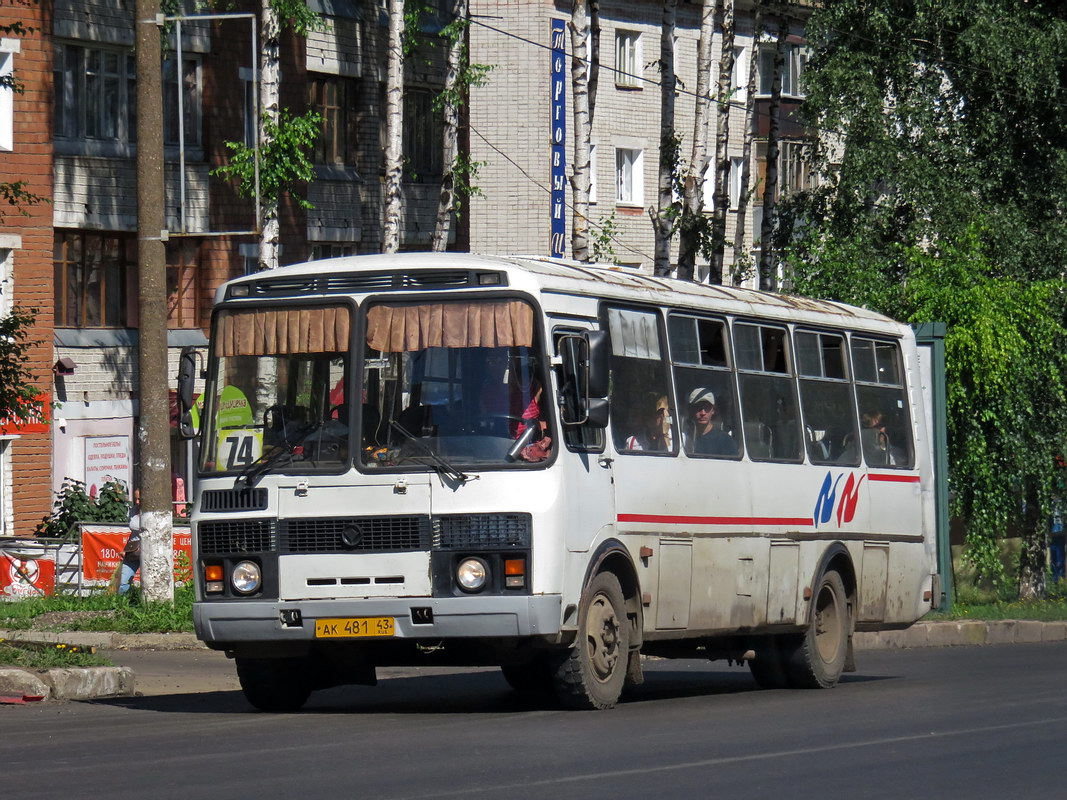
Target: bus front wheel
column 591, row 674
column 818, row 659
column 275, row 684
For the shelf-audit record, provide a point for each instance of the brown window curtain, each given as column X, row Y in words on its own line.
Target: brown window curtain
column 396, row 329
column 317, row 329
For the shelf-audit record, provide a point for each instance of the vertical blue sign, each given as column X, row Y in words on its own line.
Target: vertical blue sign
column 559, row 141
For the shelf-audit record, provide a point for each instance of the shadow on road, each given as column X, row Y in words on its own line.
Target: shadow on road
column 483, row 692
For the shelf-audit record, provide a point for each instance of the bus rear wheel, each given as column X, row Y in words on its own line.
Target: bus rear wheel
column 768, row 667
column 818, row 658
column 275, row 684
column 591, row 674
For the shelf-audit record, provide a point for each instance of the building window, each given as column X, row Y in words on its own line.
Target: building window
column 334, row 98
column 736, row 166
column 5, row 490
column 592, row 173
column 95, row 94
column 739, row 79
column 321, row 250
column 423, row 136
column 628, row 59
column 7, row 288
column 8, row 48
column 183, row 283
column 190, row 100
column 795, row 60
column 91, row 273
column 251, row 105
column 629, row 177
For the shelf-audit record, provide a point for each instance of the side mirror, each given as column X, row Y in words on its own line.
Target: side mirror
column 585, row 373
column 186, row 383
column 599, row 352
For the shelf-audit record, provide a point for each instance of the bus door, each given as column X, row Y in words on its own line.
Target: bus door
column 587, row 469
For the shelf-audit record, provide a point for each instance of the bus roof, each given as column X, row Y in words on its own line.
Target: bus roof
column 558, row 276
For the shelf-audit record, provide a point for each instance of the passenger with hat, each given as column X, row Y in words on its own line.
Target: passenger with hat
column 706, row 435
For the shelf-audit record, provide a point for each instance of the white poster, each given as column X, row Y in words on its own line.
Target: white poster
column 107, row 459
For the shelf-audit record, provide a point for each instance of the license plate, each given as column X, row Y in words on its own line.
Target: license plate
column 349, row 627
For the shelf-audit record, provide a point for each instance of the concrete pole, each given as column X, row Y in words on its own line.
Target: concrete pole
column 153, row 431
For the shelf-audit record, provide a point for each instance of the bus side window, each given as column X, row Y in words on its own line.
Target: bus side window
column 642, row 413
column 577, row 438
column 707, row 393
column 826, row 398
column 885, row 424
column 771, row 421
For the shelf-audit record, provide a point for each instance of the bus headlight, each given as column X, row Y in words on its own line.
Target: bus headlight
column 246, row 577
column 472, row 574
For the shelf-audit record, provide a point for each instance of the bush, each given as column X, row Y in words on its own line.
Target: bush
column 73, row 505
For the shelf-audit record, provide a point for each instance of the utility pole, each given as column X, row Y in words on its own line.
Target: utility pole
column 153, row 431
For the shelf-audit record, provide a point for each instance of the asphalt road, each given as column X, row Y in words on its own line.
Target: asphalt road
column 979, row 722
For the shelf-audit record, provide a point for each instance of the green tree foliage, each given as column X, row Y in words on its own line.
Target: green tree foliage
column 946, row 199
column 284, row 159
column 17, row 390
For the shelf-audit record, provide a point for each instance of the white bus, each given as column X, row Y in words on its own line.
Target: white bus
column 450, row 459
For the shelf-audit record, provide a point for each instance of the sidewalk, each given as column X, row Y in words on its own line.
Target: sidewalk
column 19, row 685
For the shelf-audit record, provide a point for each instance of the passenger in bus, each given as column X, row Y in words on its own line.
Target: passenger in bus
column 653, row 431
column 877, row 449
column 706, row 436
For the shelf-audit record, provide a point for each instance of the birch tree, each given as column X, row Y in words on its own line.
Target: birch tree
column 722, row 141
column 455, row 31
column 767, row 267
column 665, row 212
column 745, row 193
column 692, row 224
column 394, row 128
column 580, row 79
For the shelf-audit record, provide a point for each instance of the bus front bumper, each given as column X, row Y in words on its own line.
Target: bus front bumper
column 222, row 622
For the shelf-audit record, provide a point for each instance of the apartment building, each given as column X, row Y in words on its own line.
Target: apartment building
column 514, row 117
column 26, row 246
column 71, row 136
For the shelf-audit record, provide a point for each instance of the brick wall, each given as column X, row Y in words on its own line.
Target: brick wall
column 31, row 160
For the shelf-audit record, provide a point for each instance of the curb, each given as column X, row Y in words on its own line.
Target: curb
column 84, row 683
column 962, row 633
column 109, row 640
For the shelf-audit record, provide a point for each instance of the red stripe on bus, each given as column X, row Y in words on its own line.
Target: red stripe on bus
column 872, row 476
column 669, row 520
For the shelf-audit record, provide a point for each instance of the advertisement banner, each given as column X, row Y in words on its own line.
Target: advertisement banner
column 102, row 547
column 26, row 577
column 107, row 460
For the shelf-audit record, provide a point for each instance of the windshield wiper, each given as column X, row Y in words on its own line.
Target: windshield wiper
column 440, row 465
column 266, row 461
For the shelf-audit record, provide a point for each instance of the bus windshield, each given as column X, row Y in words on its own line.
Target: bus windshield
column 276, row 395
column 459, row 381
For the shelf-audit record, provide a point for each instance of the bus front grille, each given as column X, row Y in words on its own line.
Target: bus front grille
column 354, row 534
column 216, row 500
column 235, row 536
column 481, row 531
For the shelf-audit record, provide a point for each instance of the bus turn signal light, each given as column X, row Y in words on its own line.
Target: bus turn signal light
column 515, row 573
column 213, row 578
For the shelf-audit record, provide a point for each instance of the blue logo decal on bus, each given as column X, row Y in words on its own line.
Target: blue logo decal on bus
column 824, row 505
column 827, row 499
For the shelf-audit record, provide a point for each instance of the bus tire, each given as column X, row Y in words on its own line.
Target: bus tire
column 533, row 677
column 818, row 658
column 768, row 667
column 275, row 684
column 592, row 673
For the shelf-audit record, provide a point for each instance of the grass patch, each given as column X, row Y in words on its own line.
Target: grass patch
column 48, row 657
column 102, row 612
column 986, row 603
